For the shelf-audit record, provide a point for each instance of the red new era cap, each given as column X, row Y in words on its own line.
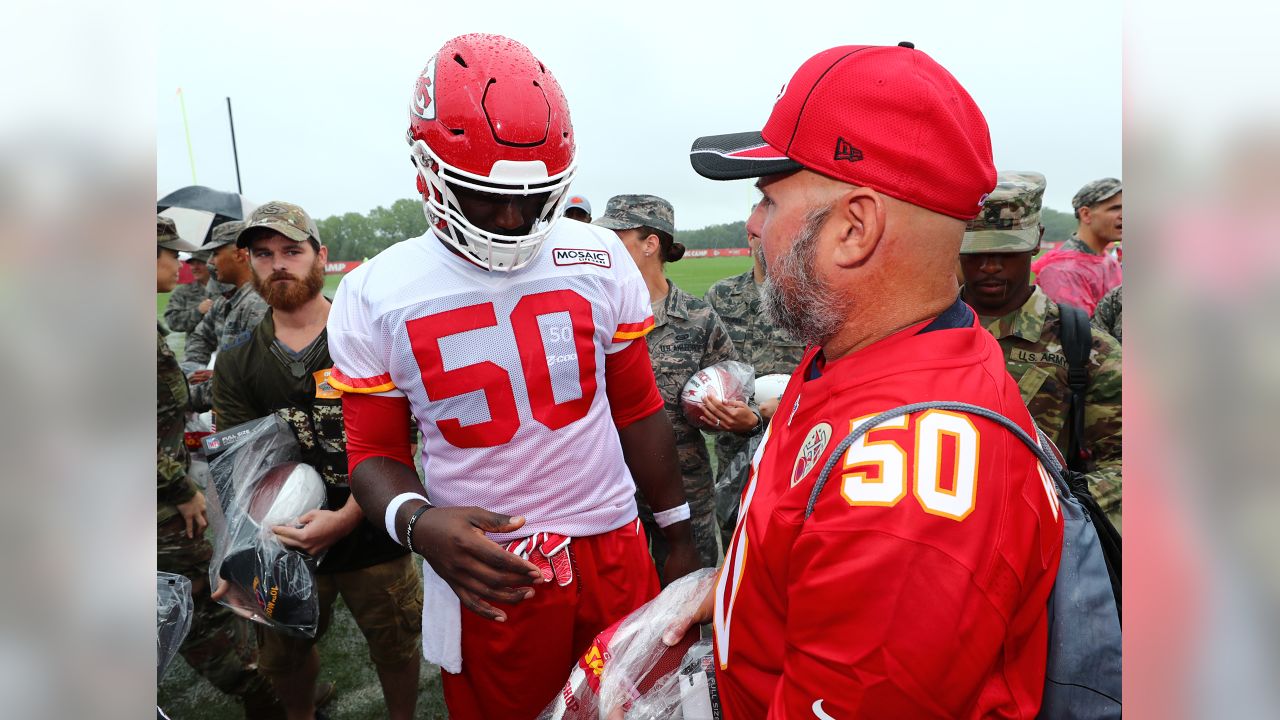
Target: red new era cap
column 888, row 118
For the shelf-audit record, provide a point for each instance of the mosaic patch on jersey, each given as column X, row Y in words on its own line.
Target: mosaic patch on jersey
column 814, row 444
column 574, row 256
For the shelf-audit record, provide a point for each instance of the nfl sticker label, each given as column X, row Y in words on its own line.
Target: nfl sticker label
column 572, row 256
column 814, row 444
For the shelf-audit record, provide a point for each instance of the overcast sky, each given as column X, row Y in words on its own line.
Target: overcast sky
column 321, row 89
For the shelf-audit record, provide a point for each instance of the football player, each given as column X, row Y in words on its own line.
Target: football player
column 517, row 342
column 915, row 582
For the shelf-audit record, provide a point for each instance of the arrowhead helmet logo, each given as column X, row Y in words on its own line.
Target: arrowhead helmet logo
column 424, row 97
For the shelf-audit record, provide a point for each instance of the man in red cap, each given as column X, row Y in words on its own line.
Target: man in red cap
column 916, row 583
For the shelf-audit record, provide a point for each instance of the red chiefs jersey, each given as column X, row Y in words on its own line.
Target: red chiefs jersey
column 918, row 586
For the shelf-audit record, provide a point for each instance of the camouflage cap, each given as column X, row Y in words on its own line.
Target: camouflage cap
column 1095, row 192
column 201, row 256
column 223, row 234
column 1009, row 222
column 625, row 212
column 167, row 236
column 285, row 218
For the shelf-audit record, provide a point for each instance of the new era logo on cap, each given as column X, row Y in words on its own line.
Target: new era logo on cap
column 845, row 151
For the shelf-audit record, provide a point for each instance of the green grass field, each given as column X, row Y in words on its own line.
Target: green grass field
column 343, row 653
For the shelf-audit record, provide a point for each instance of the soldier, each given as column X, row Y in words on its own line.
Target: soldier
column 762, row 345
column 191, row 302
column 687, row 336
column 233, row 316
column 210, row 646
column 282, row 367
column 1080, row 272
column 1108, row 313
column 996, row 259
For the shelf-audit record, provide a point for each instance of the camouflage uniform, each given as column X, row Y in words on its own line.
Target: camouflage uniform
column 1075, row 244
column 1031, row 340
column 687, row 336
column 1106, row 316
column 211, row 646
column 229, row 322
column 182, row 312
column 768, row 349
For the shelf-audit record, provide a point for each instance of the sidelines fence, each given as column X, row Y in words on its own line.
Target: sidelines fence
column 717, row 252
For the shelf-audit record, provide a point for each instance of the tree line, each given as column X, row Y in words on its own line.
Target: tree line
column 356, row 236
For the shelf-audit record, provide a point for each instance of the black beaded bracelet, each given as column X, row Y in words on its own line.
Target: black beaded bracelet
column 408, row 532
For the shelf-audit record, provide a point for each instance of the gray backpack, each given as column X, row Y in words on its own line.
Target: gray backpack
column 1082, row 676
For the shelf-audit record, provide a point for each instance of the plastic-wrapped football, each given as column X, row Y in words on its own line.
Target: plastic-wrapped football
column 722, row 380
column 284, row 493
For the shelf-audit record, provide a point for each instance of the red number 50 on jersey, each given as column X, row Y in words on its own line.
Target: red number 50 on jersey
column 493, row 380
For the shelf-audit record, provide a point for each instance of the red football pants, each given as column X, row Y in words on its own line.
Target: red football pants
column 514, row 669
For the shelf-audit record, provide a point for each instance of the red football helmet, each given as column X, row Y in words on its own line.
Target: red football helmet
column 487, row 116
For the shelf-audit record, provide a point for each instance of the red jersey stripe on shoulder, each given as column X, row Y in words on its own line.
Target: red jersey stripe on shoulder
column 632, row 331
column 346, row 383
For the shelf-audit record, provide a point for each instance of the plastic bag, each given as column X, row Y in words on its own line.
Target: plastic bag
column 198, row 427
column 727, row 380
column 628, row 672
column 256, row 482
column 174, row 610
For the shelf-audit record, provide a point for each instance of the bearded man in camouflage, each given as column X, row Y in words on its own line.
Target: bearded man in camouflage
column 995, row 258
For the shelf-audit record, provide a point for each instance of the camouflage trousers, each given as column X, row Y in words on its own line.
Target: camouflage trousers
column 214, row 646
column 702, row 514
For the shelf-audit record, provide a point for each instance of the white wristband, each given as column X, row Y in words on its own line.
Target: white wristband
column 393, row 507
column 672, row 515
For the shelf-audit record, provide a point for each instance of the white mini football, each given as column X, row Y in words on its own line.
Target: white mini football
column 770, row 387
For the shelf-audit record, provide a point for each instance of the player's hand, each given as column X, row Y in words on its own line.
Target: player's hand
column 682, row 559
column 768, row 408
column 731, row 415
column 199, row 376
column 478, row 569
column 192, row 512
column 701, row 614
column 320, row 530
column 204, row 306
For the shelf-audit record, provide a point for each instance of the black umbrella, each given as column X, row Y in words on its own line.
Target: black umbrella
column 197, row 209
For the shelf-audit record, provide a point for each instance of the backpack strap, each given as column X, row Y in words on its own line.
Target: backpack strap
column 1077, row 342
column 1038, row 448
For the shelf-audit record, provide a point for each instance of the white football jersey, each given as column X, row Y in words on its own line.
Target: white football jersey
column 505, row 372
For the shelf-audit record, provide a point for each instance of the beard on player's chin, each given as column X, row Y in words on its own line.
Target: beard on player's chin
column 285, row 292
column 795, row 298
